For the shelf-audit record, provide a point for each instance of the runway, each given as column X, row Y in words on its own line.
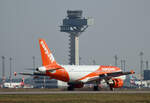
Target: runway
column 75, row 92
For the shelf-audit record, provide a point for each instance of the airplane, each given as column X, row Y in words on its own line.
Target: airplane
column 14, row 84
column 78, row 75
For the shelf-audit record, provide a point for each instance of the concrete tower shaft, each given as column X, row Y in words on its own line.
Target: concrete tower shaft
column 74, row 49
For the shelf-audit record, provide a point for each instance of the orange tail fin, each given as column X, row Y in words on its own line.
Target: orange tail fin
column 47, row 57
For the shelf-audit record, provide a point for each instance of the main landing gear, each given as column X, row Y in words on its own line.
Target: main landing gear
column 96, row 86
column 110, row 84
column 111, row 87
column 70, row 88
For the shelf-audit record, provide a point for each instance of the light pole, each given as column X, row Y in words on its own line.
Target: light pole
column 141, row 66
column 147, row 67
column 124, row 65
column 3, row 69
column 116, row 59
column 33, row 58
column 10, row 70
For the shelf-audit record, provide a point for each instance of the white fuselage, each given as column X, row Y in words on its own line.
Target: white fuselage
column 71, row 73
column 77, row 72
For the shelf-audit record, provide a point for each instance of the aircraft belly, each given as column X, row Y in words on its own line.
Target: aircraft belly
column 76, row 76
column 76, row 73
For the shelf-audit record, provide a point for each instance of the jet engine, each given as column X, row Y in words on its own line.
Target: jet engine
column 76, row 85
column 116, row 83
column 41, row 69
column 79, row 85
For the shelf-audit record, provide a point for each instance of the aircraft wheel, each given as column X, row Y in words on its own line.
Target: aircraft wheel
column 111, row 88
column 70, row 88
column 96, row 88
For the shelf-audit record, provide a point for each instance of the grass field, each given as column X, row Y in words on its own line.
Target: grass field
column 76, row 98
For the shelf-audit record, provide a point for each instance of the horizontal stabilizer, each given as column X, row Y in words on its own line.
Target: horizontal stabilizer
column 34, row 74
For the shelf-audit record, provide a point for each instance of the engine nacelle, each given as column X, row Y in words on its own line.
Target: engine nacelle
column 41, row 69
column 117, row 83
column 79, row 85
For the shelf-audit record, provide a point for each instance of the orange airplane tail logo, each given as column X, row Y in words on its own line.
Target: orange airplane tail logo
column 47, row 56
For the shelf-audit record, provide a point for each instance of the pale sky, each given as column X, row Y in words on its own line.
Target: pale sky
column 120, row 27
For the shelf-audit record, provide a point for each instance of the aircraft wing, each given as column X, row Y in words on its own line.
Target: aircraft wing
column 108, row 76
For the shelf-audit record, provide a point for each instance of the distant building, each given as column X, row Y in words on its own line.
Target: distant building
column 44, row 82
column 146, row 74
column 145, row 83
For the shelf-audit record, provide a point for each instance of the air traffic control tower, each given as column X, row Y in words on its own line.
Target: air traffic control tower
column 74, row 24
